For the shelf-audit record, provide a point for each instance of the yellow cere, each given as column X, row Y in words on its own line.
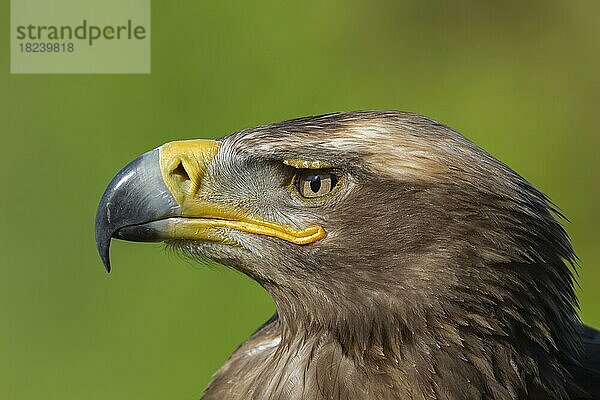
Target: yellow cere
column 182, row 165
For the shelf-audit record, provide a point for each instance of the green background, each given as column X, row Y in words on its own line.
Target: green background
column 519, row 78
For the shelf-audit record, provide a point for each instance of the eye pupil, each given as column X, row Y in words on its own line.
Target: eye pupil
column 315, row 184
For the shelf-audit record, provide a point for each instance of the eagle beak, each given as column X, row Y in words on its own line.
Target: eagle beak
column 139, row 194
column 157, row 197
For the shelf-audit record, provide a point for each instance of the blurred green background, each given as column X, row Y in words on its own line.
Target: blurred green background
column 519, row 78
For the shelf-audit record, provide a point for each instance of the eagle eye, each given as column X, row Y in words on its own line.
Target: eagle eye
column 314, row 183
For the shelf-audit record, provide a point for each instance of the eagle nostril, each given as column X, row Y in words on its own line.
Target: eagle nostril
column 181, row 178
column 180, row 172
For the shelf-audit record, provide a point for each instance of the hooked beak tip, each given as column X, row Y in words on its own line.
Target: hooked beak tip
column 103, row 245
column 106, row 260
column 136, row 195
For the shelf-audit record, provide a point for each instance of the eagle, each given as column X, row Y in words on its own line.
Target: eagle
column 404, row 261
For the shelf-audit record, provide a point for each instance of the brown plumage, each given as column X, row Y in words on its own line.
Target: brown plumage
column 444, row 274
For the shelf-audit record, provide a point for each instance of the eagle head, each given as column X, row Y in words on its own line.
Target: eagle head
column 389, row 233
